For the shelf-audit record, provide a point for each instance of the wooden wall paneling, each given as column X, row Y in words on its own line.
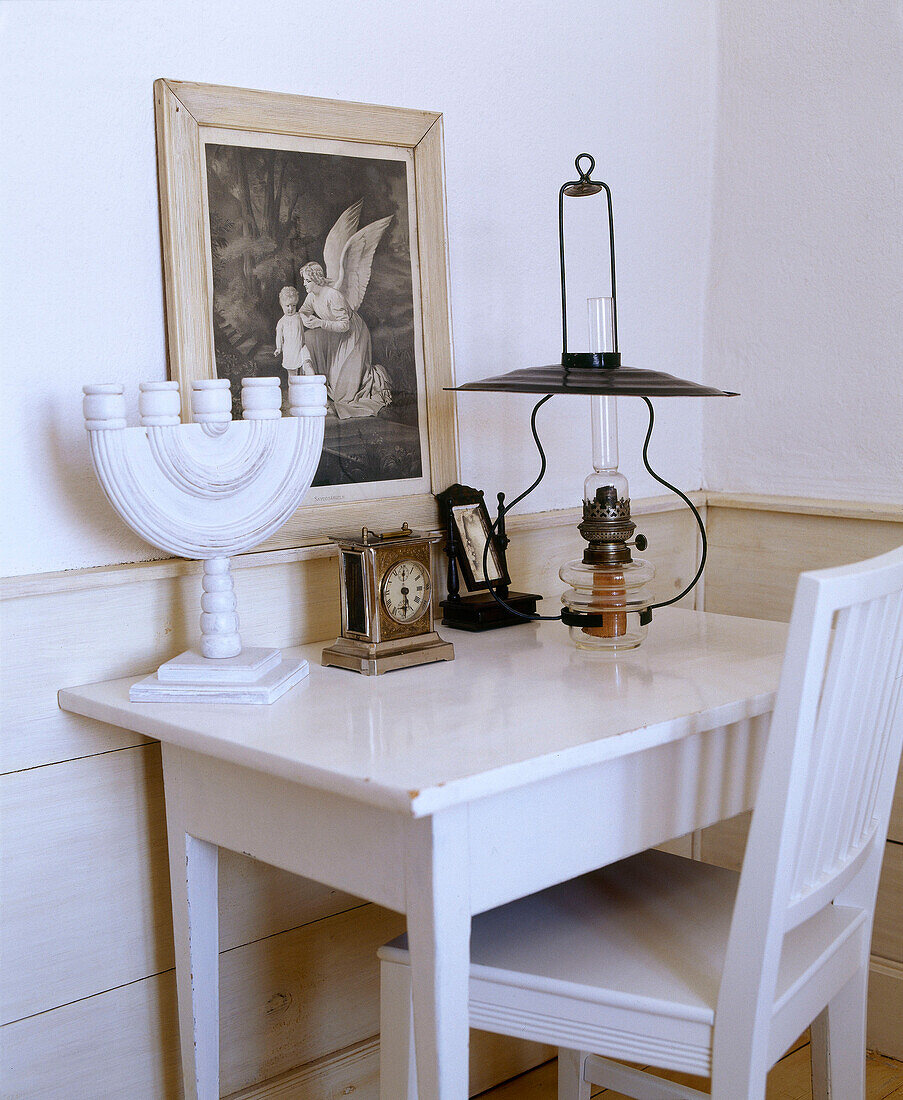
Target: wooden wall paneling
column 286, row 999
column 85, row 632
column 50, row 641
column 86, row 881
column 277, row 972
column 120, row 1043
column 257, row 900
column 674, row 551
column 724, row 844
column 887, row 937
column 295, row 997
column 124, row 1043
column 884, row 1031
column 300, row 996
column 86, row 903
column 355, row 1070
column 756, row 556
column 55, row 738
column 895, row 828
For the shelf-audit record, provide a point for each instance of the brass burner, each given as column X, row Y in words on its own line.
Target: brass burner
column 607, row 526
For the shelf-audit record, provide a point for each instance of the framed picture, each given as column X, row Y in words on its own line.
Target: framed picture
column 308, row 235
column 465, row 509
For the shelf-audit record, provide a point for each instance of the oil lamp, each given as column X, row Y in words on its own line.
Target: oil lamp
column 608, row 604
column 606, row 583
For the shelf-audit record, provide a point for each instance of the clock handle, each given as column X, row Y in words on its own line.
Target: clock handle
column 451, row 550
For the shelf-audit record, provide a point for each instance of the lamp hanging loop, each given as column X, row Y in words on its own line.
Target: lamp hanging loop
column 583, row 186
column 580, row 188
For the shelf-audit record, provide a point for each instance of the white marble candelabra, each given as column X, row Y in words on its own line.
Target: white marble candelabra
column 208, row 490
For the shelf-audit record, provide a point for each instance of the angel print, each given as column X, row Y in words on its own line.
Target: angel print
column 339, row 340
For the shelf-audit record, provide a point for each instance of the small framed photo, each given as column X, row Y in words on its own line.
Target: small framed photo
column 465, row 509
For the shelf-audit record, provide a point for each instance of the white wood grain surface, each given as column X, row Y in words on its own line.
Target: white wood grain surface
column 384, row 751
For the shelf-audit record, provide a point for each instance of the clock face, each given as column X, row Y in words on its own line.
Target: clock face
column 406, row 591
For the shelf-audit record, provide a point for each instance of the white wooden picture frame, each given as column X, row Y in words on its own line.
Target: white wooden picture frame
column 188, row 116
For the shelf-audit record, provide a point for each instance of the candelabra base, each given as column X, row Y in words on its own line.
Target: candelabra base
column 256, row 675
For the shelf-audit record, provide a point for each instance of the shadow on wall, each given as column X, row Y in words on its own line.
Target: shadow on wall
column 79, row 494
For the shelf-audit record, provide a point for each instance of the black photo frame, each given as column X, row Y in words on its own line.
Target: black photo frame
column 464, row 509
column 469, row 531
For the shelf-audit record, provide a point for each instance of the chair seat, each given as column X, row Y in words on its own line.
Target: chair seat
column 638, row 944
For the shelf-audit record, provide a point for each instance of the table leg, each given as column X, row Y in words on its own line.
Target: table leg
column 438, row 916
column 193, row 875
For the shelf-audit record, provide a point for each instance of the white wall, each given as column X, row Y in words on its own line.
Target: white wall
column 805, row 313
column 523, row 87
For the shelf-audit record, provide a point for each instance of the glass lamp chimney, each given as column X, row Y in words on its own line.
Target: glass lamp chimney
column 604, row 409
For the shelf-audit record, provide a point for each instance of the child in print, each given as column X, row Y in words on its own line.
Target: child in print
column 290, row 334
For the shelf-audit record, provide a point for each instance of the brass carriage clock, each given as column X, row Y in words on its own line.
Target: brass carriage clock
column 387, row 612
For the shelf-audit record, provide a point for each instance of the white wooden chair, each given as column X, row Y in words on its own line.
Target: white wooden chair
column 663, row 960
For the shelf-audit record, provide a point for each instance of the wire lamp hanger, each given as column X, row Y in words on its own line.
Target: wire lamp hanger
column 608, row 604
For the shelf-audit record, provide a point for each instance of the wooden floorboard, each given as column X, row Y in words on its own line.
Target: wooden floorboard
column 789, row 1080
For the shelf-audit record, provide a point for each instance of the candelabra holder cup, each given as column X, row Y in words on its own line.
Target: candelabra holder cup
column 209, row 490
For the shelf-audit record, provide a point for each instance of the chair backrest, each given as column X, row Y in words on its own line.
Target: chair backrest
column 827, row 783
column 853, row 735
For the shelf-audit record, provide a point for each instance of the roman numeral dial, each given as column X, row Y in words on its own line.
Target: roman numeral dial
column 406, row 591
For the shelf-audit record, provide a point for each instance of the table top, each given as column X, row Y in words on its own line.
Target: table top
column 516, row 705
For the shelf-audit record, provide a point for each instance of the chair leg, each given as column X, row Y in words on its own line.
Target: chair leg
column 743, row 1080
column 397, row 1066
column 838, row 1043
column 571, row 1084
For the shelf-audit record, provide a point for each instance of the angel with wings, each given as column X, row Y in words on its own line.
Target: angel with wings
column 339, row 340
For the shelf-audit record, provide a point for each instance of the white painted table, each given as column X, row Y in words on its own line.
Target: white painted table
column 445, row 790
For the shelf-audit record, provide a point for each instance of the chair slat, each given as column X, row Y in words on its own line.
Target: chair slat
column 823, row 780
column 850, row 741
column 865, row 734
column 889, row 707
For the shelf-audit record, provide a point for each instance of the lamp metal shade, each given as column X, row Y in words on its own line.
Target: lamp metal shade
column 618, row 382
